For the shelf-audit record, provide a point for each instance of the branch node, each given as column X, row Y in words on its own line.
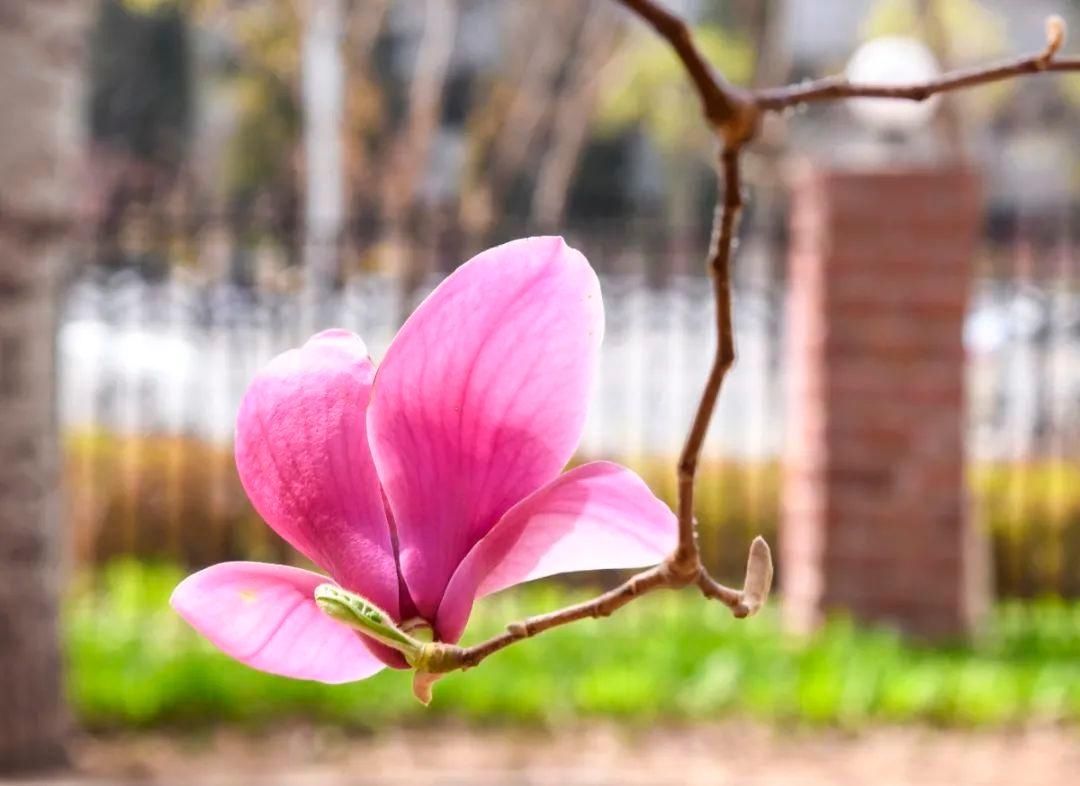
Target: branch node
column 743, row 123
column 729, row 111
column 683, row 567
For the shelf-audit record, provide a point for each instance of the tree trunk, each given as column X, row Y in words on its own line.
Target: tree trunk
column 323, row 91
column 40, row 47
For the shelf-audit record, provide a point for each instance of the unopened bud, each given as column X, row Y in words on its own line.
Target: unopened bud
column 759, row 576
column 1055, row 35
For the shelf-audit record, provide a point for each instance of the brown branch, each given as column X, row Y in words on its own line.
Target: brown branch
column 686, row 557
column 838, row 87
column 601, row 606
column 441, row 657
column 734, row 115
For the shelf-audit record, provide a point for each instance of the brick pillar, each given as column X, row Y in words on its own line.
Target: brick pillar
column 875, row 521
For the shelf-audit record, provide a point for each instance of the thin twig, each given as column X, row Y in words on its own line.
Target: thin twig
column 686, row 557
column 602, row 606
column 733, row 115
column 838, row 87
column 446, row 657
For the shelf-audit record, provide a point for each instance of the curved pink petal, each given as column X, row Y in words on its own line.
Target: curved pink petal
column 595, row 517
column 481, row 400
column 302, row 455
column 265, row 616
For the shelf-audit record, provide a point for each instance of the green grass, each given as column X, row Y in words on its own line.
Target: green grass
column 133, row 663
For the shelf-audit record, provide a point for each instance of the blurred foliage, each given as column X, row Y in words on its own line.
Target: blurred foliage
column 148, row 6
column 143, row 80
column 1032, row 512
column 974, row 32
column 263, row 84
column 167, row 497
column 140, row 83
column 649, row 88
column 134, row 663
column 262, row 149
column 179, row 498
column 266, row 36
column 736, row 500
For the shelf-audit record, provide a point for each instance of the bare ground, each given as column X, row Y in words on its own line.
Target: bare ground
column 596, row 755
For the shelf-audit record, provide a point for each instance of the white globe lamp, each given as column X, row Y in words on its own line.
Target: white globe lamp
column 892, row 61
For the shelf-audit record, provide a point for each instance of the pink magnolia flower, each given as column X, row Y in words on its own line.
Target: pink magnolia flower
column 433, row 481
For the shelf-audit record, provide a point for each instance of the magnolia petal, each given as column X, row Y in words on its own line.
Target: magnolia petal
column 302, row 455
column 595, row 517
column 481, row 400
column 265, row 616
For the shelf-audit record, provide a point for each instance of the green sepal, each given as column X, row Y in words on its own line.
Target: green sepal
column 361, row 614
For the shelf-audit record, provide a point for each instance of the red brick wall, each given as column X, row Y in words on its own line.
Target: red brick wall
column 875, row 520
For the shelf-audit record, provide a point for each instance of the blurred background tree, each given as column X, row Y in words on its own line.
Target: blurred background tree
column 40, row 44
